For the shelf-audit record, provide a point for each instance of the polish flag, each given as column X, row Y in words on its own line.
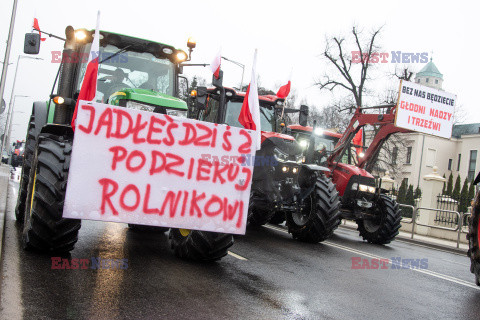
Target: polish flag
column 250, row 113
column 37, row 27
column 215, row 65
column 358, row 140
column 284, row 90
column 89, row 85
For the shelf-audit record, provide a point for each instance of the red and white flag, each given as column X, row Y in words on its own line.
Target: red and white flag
column 250, row 113
column 215, row 65
column 89, row 85
column 36, row 26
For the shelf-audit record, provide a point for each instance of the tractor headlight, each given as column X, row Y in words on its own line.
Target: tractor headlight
column 318, row 131
column 139, row 106
column 181, row 56
column 371, row 189
column 279, row 155
column 285, row 169
column 295, row 170
column 303, row 144
column 355, row 186
column 177, row 113
column 363, row 188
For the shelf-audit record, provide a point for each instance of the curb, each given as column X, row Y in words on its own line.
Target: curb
column 4, row 178
column 422, row 243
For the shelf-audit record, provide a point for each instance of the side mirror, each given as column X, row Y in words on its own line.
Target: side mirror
column 201, row 100
column 303, row 116
column 32, row 43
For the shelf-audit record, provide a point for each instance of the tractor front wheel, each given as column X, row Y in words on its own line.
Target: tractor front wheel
column 473, row 237
column 30, row 144
column 383, row 228
column 320, row 216
column 199, row 245
column 44, row 227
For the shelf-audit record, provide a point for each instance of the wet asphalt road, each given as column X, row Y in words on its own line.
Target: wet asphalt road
column 268, row 276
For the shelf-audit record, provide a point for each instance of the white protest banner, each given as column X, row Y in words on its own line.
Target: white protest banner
column 147, row 168
column 424, row 109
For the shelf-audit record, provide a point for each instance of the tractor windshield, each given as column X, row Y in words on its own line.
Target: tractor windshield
column 267, row 115
column 129, row 69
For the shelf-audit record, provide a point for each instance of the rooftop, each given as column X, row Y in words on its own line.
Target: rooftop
column 430, row 70
column 465, row 129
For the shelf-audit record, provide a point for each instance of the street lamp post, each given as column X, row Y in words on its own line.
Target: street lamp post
column 241, row 65
column 10, row 124
column 12, row 98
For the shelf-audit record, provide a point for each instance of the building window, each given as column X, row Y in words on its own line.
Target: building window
column 405, row 180
column 450, row 161
column 430, row 158
column 394, row 155
column 436, row 81
column 472, row 165
column 426, row 80
column 418, row 80
column 459, row 160
column 409, row 155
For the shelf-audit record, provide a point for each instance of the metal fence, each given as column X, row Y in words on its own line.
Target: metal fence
column 447, row 205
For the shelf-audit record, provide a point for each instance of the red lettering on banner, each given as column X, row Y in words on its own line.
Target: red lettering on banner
column 173, row 200
column 106, row 195
column 146, row 209
column 203, row 139
column 153, row 167
column 170, row 140
column 245, row 147
column 194, row 208
column 127, row 189
column 217, row 172
column 226, row 145
column 178, row 162
column 119, row 154
column 139, row 126
column 213, row 200
column 131, row 156
column 246, row 183
column 88, row 129
column 190, row 130
column 122, row 114
column 151, row 129
column 105, row 120
column 203, row 167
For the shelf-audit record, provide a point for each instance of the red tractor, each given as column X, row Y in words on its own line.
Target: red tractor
column 473, row 236
column 362, row 197
column 281, row 182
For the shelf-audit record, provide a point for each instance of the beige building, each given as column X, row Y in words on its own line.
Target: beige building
column 421, row 152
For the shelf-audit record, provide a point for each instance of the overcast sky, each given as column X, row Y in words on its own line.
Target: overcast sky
column 289, row 35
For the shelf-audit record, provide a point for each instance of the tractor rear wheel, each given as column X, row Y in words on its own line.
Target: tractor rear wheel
column 384, row 228
column 199, row 245
column 320, row 216
column 142, row 228
column 44, row 228
column 27, row 164
column 473, row 237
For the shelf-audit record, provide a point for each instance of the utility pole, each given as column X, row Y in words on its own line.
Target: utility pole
column 7, row 50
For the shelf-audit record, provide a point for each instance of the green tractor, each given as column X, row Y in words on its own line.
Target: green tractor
column 133, row 73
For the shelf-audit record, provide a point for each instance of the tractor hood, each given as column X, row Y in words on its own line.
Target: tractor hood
column 285, row 143
column 148, row 97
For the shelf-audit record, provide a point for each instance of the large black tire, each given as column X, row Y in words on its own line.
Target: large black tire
column 473, row 237
column 385, row 228
column 257, row 216
column 44, row 228
column 320, row 216
column 142, row 228
column 199, row 245
column 29, row 151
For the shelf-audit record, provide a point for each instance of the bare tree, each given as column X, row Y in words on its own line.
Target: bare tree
column 336, row 53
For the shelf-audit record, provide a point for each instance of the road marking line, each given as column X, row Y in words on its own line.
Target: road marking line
column 369, row 255
column 239, row 257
